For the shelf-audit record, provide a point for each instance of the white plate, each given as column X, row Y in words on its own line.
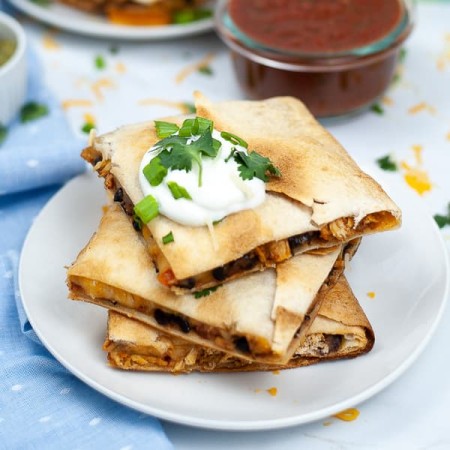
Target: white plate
column 71, row 19
column 407, row 269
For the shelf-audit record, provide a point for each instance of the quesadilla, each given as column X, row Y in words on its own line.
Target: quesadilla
column 340, row 330
column 320, row 199
column 259, row 317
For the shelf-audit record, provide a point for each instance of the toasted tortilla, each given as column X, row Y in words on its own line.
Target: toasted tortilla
column 259, row 317
column 340, row 330
column 321, row 199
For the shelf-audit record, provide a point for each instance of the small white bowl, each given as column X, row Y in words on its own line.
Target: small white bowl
column 13, row 74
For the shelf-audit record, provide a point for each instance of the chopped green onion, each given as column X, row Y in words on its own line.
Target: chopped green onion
column 32, row 111
column 100, row 62
column 235, row 140
column 189, row 15
column 147, row 209
column 155, row 172
column 386, row 163
column 165, row 129
column 178, row 191
column 87, row 127
column 168, row 238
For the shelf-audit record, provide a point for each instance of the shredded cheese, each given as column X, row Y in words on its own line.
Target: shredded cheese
column 192, row 68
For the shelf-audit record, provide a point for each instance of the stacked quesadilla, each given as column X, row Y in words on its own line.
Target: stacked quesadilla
column 258, row 289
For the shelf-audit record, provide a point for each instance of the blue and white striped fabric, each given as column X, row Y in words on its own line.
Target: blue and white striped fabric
column 42, row 405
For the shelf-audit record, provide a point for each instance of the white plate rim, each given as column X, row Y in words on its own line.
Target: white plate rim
column 91, row 25
column 232, row 425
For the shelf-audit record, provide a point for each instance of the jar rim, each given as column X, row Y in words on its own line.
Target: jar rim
column 240, row 42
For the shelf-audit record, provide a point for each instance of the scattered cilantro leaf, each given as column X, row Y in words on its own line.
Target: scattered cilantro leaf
column 44, row 3
column 32, row 111
column 205, row 292
column 168, row 238
column 154, row 171
column 100, row 62
column 377, row 108
column 178, row 191
column 165, row 129
column 386, row 163
column 255, row 165
column 147, row 209
column 3, row 133
column 442, row 220
column 114, row 49
column 87, row 127
column 402, row 55
column 205, row 70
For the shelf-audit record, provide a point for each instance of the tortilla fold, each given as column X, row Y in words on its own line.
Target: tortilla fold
column 259, row 317
column 340, row 330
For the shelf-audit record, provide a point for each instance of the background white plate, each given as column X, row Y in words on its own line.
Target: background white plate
column 407, row 269
column 77, row 21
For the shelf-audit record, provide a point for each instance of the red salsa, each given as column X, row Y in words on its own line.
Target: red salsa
column 316, row 26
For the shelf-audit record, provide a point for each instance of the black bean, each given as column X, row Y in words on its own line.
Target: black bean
column 118, row 196
column 161, row 317
column 187, row 283
column 97, row 159
column 182, row 323
column 300, row 239
column 334, row 342
column 241, row 344
column 219, row 273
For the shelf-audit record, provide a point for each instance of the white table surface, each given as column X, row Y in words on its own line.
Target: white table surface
column 413, row 412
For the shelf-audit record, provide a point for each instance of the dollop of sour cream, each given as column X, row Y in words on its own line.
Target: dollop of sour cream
column 222, row 192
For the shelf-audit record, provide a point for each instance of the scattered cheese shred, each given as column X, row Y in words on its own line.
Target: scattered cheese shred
column 89, row 118
column 371, row 294
column 347, row 415
column 101, row 84
column 422, row 106
column 444, row 57
column 418, row 149
column 66, row 104
column 49, row 42
column 387, row 101
column 273, row 391
column 121, row 67
column 417, row 178
column 184, row 73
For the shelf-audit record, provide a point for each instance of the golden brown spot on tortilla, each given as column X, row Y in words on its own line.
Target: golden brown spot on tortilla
column 77, row 102
column 371, row 294
column 348, row 415
column 273, row 391
column 188, row 70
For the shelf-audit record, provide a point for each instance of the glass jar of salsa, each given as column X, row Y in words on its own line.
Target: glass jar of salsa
column 337, row 56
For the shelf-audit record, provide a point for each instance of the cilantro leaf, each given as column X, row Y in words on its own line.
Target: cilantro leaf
column 255, row 165
column 205, row 292
column 386, row 163
column 165, row 129
column 32, row 111
column 441, row 220
column 87, row 127
column 377, row 108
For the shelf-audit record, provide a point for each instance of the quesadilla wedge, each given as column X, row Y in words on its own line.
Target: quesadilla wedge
column 259, row 317
column 340, row 330
column 321, row 198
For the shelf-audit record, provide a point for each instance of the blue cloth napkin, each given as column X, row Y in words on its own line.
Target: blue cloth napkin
column 42, row 405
